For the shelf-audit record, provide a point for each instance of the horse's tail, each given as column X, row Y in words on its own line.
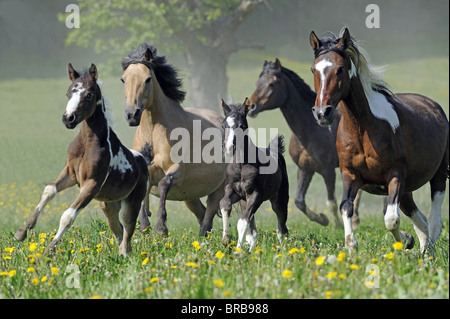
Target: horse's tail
column 276, row 145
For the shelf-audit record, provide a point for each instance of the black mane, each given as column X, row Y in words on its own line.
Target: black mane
column 329, row 44
column 166, row 74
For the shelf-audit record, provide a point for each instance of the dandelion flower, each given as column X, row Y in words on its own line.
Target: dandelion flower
column 219, row 255
column 227, row 293
column 340, row 257
column 354, row 267
column 398, row 245
column 389, row 255
column 96, row 297
column 43, row 279
column 293, row 251
column 4, row 273
column 332, row 274
column 286, row 274
column 154, row 279
column 192, row 264
column 31, row 269
column 145, row 261
column 218, row 283
column 320, row 260
column 54, row 270
column 12, row 273
column 196, row 245
column 32, row 247
column 35, row 281
column 9, row 250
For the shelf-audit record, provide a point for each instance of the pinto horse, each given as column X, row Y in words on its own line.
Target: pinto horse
column 312, row 147
column 388, row 144
column 153, row 97
column 250, row 179
column 98, row 163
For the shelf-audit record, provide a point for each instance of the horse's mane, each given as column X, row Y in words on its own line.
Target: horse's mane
column 298, row 82
column 371, row 77
column 166, row 74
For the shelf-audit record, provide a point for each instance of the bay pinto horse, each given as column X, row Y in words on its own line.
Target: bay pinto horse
column 97, row 161
column 312, row 147
column 249, row 179
column 153, row 97
column 389, row 144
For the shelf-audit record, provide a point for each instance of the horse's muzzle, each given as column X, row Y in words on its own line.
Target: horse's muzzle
column 70, row 121
column 323, row 114
column 133, row 116
column 254, row 110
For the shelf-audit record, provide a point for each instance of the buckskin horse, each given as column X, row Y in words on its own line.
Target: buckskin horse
column 98, row 163
column 388, row 144
column 153, row 97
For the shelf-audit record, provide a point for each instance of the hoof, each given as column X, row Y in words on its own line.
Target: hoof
column 20, row 235
column 226, row 240
column 162, row 230
column 409, row 240
column 320, row 219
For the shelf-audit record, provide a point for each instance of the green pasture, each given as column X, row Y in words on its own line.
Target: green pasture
column 311, row 263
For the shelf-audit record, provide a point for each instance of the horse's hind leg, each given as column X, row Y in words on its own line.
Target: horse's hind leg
column 129, row 217
column 144, row 212
column 303, row 180
column 212, row 207
column 438, row 185
column 226, row 204
column 196, row 206
column 279, row 206
column 253, row 203
column 62, row 182
column 409, row 208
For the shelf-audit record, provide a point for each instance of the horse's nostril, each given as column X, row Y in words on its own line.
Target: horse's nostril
column 328, row 111
column 71, row 118
column 253, row 106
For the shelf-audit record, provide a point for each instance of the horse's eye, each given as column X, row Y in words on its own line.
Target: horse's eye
column 312, row 70
column 148, row 80
column 89, row 95
column 339, row 71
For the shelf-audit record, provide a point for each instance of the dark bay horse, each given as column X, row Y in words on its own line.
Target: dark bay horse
column 388, row 144
column 153, row 97
column 98, row 163
column 312, row 147
column 247, row 178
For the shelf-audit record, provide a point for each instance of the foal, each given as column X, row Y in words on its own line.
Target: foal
column 249, row 178
column 98, row 163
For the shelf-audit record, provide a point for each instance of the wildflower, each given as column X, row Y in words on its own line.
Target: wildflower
column 9, row 250
column 148, row 289
column 340, row 257
column 154, row 279
column 196, row 245
column 169, row 245
column 32, row 247
column 328, row 294
column 145, row 261
column 227, row 293
column 211, row 262
column 54, row 270
column 35, row 281
column 12, row 273
column 389, row 255
column 96, row 297
column 4, row 273
column 342, row 276
column 320, row 260
column 7, row 258
column 43, row 279
column 192, row 264
column 259, row 251
column 219, row 255
column 293, row 251
column 398, row 245
column 218, row 283
column 354, row 267
column 332, row 274
column 286, row 274
column 31, row 269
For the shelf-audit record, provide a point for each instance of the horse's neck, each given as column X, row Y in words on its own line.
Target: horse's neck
column 297, row 112
column 96, row 126
column 246, row 149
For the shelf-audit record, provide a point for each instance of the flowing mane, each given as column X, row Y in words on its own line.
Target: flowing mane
column 371, row 77
column 166, row 74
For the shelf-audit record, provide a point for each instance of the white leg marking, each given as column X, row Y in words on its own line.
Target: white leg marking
column 350, row 240
column 226, row 224
column 49, row 192
column 421, row 228
column 435, row 219
column 392, row 217
column 321, row 66
column 242, row 227
column 67, row 218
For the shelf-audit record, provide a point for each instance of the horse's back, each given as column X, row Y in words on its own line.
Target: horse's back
column 205, row 114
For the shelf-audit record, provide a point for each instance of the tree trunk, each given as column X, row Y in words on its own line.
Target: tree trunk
column 207, row 77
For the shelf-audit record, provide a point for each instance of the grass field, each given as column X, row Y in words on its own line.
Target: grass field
column 311, row 263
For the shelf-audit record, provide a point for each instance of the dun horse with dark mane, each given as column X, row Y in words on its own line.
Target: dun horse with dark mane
column 387, row 143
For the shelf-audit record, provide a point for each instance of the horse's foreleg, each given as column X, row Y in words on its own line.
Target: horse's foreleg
column 226, row 204
column 350, row 186
column 253, row 203
column 212, row 207
column 144, row 212
column 63, row 181
column 330, row 181
column 87, row 192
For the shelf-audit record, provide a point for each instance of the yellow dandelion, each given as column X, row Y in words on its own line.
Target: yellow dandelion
column 31, row 269
column 43, row 279
column 145, row 261
column 287, row 274
column 219, row 255
column 192, row 264
column 154, row 279
column 96, row 297
column 54, row 270
column 35, row 281
column 328, row 294
column 196, row 245
column 389, row 255
column 293, row 251
column 211, row 262
column 12, row 273
column 9, row 250
column 332, row 274
column 7, row 258
column 218, row 283
column 354, row 267
column 320, row 260
column 227, row 293
column 32, row 247
column 148, row 289
column 340, row 257
column 342, row 276
column 398, row 245
column 4, row 273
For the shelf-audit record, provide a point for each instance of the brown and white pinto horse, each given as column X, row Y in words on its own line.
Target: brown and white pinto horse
column 98, row 163
column 153, row 97
column 387, row 143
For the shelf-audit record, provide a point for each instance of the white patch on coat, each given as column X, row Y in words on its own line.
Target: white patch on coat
column 72, row 105
column 229, row 142
column 321, row 66
column 120, row 162
column 382, row 109
column 392, row 217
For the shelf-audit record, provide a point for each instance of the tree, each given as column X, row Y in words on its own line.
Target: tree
column 206, row 31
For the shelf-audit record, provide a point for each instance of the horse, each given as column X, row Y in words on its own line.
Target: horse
column 246, row 179
column 153, row 95
column 388, row 144
column 312, row 147
column 98, row 163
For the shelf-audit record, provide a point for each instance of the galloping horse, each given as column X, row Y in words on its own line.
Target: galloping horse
column 98, row 163
column 312, row 147
column 389, row 144
column 153, row 97
column 250, row 178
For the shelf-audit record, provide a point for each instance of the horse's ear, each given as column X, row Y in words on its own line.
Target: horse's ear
column 344, row 42
column 226, row 109
column 277, row 65
column 247, row 105
column 148, row 55
column 314, row 41
column 73, row 75
column 93, row 72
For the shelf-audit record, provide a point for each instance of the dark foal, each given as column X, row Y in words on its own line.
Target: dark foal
column 98, row 163
column 254, row 175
